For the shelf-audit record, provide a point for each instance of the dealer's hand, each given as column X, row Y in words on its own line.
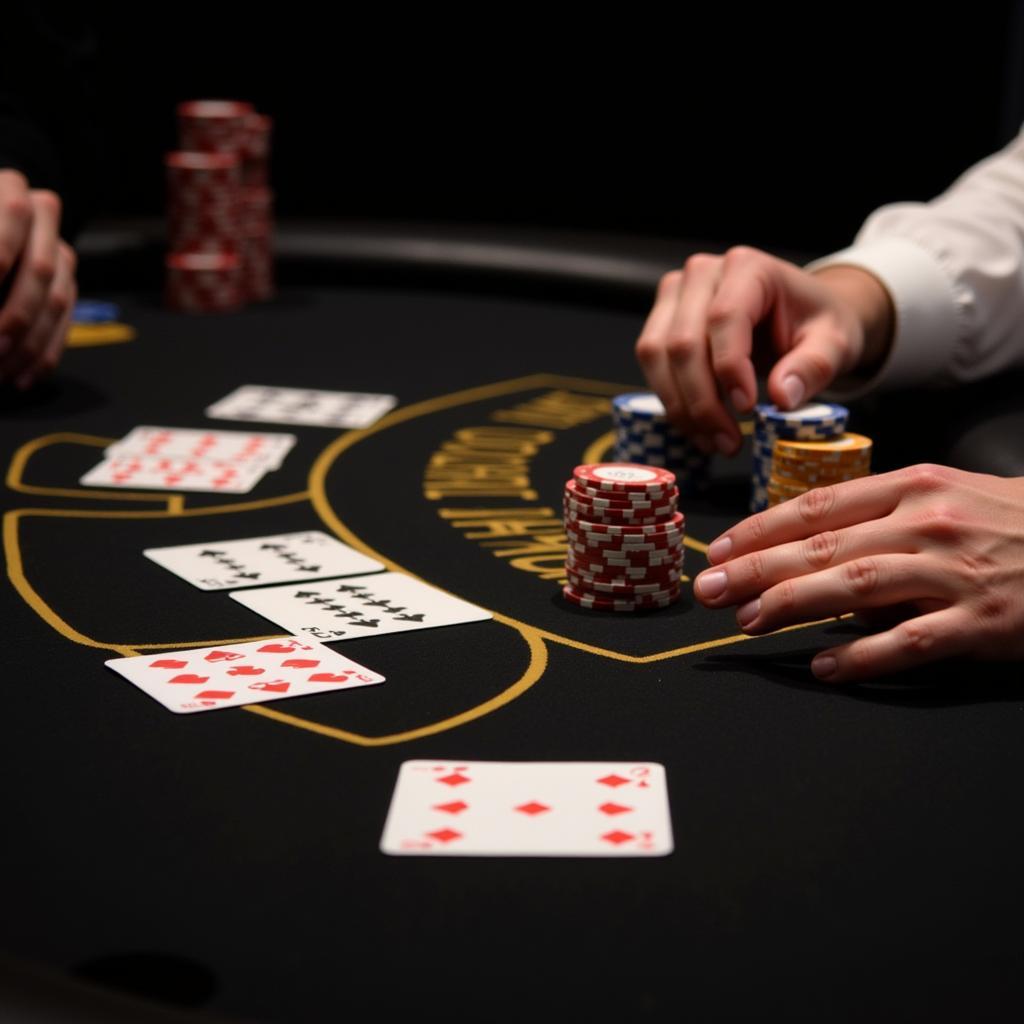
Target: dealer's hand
column 948, row 544
column 698, row 349
column 40, row 269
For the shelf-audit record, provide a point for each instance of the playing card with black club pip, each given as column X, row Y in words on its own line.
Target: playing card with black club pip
column 359, row 606
column 256, row 561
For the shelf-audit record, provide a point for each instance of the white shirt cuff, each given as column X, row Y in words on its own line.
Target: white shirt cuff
column 927, row 314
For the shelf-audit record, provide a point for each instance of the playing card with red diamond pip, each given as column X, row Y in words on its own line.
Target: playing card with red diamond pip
column 529, row 809
column 208, row 678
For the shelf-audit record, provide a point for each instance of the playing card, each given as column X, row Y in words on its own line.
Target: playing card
column 209, row 678
column 529, row 809
column 387, row 602
column 228, row 446
column 255, row 561
column 175, row 474
column 345, row 409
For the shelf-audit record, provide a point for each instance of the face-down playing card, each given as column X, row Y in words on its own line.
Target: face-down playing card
column 306, row 406
column 208, row 678
column 529, row 809
column 255, row 561
column 359, row 606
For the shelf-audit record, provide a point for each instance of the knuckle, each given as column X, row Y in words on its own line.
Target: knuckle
column 720, row 315
column 784, row 598
column 647, row 349
column 861, row 576
column 818, row 364
column 755, row 570
column 727, row 363
column 58, row 302
column 682, row 346
column 16, row 207
column 816, row 504
column 758, row 527
column 699, row 262
column 940, row 522
column 740, row 255
column 670, row 280
column 915, row 636
column 18, row 320
column 675, row 411
column 47, row 200
column 820, row 549
column 42, row 269
column 926, row 476
column 702, row 409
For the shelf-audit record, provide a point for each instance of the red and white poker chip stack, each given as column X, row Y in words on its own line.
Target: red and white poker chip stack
column 625, row 537
column 219, row 208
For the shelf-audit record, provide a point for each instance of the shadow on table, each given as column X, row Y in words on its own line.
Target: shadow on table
column 951, row 683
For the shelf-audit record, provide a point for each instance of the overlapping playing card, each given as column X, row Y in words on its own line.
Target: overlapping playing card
column 321, row 591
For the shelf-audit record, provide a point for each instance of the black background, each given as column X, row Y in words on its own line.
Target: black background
column 781, row 129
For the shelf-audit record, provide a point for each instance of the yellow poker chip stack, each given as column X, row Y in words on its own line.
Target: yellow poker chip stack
column 800, row 466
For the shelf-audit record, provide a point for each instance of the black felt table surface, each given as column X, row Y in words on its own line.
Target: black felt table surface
column 843, row 853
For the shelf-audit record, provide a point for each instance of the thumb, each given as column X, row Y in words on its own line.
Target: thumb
column 807, row 368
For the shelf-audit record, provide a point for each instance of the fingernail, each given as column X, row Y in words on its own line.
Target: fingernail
column 719, row 550
column 738, row 399
column 724, row 443
column 5, row 344
column 793, row 389
column 746, row 613
column 711, row 584
column 824, row 666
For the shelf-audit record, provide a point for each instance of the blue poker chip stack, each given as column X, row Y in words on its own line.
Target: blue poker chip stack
column 95, row 311
column 818, row 421
column 643, row 435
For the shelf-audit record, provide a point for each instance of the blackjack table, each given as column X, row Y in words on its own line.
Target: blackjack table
column 841, row 853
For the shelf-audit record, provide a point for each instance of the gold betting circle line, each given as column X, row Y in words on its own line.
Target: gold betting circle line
column 16, row 470
column 16, row 569
column 534, row 670
column 16, row 574
column 318, row 498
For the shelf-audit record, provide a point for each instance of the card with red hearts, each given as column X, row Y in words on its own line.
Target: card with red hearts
column 209, row 678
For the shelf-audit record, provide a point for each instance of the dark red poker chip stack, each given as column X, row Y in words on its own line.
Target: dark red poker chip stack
column 625, row 536
column 220, row 222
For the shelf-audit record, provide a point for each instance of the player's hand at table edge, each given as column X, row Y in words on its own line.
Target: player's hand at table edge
column 704, row 334
column 947, row 543
column 39, row 267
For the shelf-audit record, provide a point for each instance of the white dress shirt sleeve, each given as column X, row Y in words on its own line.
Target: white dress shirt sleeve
column 955, row 270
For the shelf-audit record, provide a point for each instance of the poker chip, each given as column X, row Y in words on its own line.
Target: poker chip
column 95, row 311
column 669, row 526
column 90, row 335
column 799, row 465
column 219, row 200
column 618, row 477
column 644, row 435
column 816, row 421
column 620, row 499
column 587, row 582
column 614, row 604
column 624, row 546
column 204, row 282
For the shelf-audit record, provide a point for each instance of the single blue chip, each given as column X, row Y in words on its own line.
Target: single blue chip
column 95, row 311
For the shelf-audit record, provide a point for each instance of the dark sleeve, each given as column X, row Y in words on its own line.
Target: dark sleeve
column 47, row 105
